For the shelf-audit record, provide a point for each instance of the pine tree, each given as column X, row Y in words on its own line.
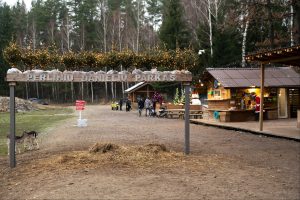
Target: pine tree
column 6, row 32
column 176, row 97
column 173, row 30
column 19, row 17
column 182, row 97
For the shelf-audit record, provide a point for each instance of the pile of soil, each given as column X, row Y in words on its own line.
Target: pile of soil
column 22, row 105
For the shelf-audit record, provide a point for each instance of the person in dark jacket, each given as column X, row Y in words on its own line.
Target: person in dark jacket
column 128, row 105
column 121, row 104
column 140, row 106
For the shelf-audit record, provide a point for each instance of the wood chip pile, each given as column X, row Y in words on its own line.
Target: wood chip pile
column 22, row 105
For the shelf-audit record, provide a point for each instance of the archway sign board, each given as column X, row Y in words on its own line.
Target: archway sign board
column 14, row 75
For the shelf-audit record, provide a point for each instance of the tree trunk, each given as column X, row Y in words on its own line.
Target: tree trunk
column 92, row 92
column 245, row 38
column 26, row 88
column 106, row 89
column 66, row 89
column 33, row 36
column 37, row 90
column 82, row 90
column 210, row 28
column 296, row 7
column 53, row 91
column 112, row 90
column 87, row 91
column 72, row 91
column 103, row 7
column 119, row 34
column 216, row 10
column 271, row 27
column 122, row 83
column 149, row 37
column 68, row 33
column 57, row 92
column 82, row 43
column 42, row 91
column 138, row 26
column 115, row 89
column 292, row 24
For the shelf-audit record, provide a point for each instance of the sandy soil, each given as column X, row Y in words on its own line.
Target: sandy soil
column 223, row 164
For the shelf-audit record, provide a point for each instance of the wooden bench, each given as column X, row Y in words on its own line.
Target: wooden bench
column 173, row 115
column 196, row 116
column 193, row 115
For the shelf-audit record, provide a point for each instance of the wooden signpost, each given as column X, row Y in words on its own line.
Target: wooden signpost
column 14, row 75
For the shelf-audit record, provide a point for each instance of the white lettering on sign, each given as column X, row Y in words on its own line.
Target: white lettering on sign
column 99, row 77
column 155, row 77
column 69, row 76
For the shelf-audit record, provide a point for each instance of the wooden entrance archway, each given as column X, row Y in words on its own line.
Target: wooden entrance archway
column 14, row 75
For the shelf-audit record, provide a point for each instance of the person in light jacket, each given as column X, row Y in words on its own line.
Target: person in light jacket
column 148, row 105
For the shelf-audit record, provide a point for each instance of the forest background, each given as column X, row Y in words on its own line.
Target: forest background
column 219, row 32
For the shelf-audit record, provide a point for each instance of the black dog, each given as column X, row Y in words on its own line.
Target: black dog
column 31, row 133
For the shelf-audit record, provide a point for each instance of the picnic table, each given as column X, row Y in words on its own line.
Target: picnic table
column 179, row 113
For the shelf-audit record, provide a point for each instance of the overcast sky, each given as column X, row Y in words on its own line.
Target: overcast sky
column 13, row 2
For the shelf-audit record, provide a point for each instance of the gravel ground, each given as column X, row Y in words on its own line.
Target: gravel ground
column 223, row 164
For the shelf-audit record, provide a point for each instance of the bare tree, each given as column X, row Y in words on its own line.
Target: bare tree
column 138, row 26
column 103, row 7
column 203, row 12
column 292, row 23
column 247, row 20
column 210, row 27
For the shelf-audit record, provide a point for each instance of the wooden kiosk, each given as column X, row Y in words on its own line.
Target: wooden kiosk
column 232, row 92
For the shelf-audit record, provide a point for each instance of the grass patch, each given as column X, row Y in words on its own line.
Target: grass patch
column 37, row 120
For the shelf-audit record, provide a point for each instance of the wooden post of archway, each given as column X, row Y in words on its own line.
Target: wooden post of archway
column 187, row 118
column 14, row 75
column 12, row 153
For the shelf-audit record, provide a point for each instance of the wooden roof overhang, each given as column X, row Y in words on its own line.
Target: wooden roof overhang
column 286, row 56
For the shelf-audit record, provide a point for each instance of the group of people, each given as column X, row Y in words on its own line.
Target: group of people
column 253, row 102
column 117, row 106
column 149, row 105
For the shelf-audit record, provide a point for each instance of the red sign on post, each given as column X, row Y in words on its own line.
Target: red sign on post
column 80, row 104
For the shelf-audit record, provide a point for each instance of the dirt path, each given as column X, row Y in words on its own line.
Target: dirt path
column 223, row 164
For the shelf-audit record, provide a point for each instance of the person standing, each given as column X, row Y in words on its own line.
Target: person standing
column 128, row 105
column 121, row 104
column 257, row 106
column 154, row 105
column 140, row 106
column 148, row 105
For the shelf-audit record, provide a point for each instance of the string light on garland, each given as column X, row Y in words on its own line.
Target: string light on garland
column 161, row 59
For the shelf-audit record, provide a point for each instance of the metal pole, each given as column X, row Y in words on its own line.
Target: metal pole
column 187, row 119
column 261, row 107
column 12, row 153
